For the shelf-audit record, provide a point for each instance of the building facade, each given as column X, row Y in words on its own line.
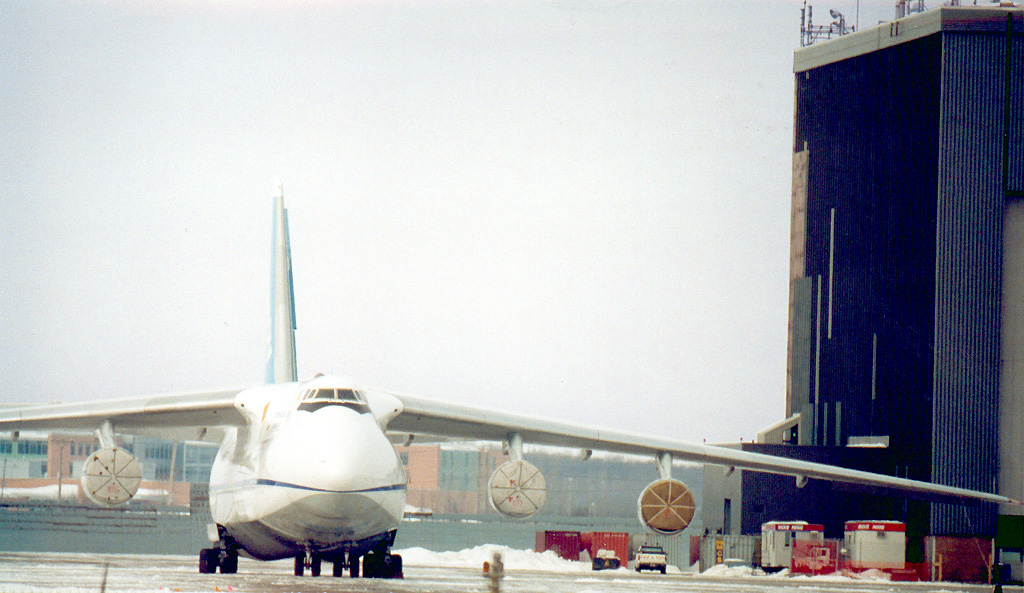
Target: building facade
column 907, row 269
column 445, row 479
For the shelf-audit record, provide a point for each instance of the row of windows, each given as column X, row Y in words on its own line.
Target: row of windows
column 23, row 448
column 81, row 449
column 459, row 471
column 158, row 451
column 40, row 448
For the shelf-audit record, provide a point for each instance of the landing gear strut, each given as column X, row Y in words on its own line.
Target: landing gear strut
column 343, row 561
column 308, row 560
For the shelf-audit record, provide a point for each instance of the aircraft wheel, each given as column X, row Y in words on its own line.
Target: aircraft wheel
column 229, row 564
column 314, row 566
column 300, row 564
column 353, row 566
column 208, row 560
column 338, row 568
column 372, row 566
column 394, row 561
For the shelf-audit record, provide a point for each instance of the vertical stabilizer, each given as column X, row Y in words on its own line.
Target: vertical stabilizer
column 281, row 364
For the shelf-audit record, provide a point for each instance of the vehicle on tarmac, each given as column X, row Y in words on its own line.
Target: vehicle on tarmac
column 651, row 558
column 606, row 560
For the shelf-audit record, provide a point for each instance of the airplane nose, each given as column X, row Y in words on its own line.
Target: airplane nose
column 333, row 449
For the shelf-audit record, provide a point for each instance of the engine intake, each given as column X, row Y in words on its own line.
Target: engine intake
column 517, row 489
column 666, row 506
column 111, row 476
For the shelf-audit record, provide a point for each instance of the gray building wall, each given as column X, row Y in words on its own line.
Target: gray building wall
column 1011, row 391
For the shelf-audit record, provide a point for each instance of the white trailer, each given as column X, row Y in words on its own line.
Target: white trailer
column 777, row 539
column 876, row 544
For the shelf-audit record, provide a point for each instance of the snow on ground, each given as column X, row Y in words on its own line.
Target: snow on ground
column 475, row 557
column 723, row 571
column 513, row 560
column 69, row 491
column 867, row 575
column 48, row 492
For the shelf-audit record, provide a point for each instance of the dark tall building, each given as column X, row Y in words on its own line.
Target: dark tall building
column 907, row 254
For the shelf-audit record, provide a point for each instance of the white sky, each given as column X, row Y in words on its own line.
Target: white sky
column 574, row 209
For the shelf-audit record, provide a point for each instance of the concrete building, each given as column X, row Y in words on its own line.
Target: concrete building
column 42, row 463
column 25, row 457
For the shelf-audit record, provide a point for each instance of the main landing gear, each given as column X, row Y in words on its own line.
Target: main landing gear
column 380, row 564
column 224, row 556
column 210, row 559
column 377, row 564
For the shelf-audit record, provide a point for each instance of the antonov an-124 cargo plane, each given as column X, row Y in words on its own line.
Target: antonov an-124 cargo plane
column 307, row 469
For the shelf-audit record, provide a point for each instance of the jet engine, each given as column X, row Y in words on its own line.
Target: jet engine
column 666, row 506
column 111, row 476
column 517, row 489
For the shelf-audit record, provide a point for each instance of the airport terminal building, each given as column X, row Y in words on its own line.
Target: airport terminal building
column 906, row 326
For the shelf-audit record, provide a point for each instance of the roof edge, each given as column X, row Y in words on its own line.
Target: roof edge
column 945, row 18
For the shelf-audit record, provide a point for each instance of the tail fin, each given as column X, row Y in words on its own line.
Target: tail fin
column 281, row 366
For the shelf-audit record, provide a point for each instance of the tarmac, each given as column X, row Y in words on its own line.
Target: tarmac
column 117, row 573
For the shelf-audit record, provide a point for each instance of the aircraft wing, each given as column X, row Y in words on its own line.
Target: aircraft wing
column 435, row 419
column 181, row 415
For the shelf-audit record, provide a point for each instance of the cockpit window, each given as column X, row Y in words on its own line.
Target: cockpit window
column 314, row 399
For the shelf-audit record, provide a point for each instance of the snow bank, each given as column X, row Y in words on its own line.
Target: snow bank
column 475, row 557
column 69, row 491
column 723, row 571
column 846, row 576
column 48, row 492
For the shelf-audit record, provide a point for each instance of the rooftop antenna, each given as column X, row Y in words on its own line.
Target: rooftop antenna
column 809, row 32
column 909, row 7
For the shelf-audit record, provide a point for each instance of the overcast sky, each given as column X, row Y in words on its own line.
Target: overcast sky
column 573, row 209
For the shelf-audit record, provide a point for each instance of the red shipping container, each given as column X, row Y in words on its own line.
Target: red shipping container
column 694, row 549
column 567, row 544
column 607, row 540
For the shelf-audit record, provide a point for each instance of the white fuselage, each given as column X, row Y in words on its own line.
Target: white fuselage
column 293, row 481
